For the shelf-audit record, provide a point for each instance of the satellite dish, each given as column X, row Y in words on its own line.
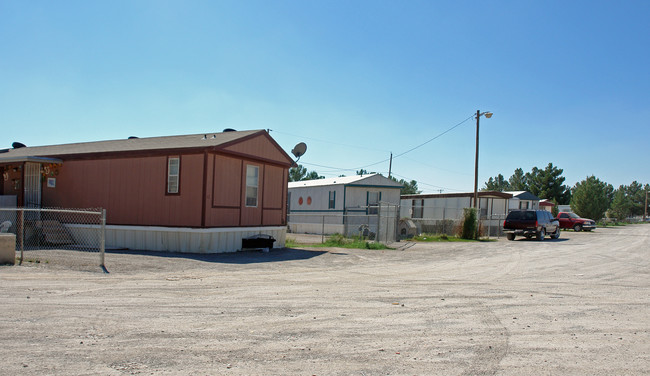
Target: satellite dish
column 18, row 145
column 299, row 150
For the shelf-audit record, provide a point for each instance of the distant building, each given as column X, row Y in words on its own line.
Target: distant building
column 546, row 205
column 339, row 205
column 435, row 212
column 523, row 200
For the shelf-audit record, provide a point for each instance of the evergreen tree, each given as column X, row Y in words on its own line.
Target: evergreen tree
column 621, row 205
column 300, row 173
column 548, row 184
column 498, row 183
column 589, row 198
column 518, row 181
column 408, row 188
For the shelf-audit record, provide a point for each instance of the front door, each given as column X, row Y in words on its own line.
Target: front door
column 32, row 185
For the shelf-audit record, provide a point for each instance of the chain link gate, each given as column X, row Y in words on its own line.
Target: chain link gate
column 387, row 223
column 67, row 237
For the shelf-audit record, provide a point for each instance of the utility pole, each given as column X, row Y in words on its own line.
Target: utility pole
column 390, row 165
column 478, row 115
column 488, row 115
column 645, row 211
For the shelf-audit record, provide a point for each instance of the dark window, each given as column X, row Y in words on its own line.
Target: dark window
column 332, row 200
column 418, row 208
column 373, row 202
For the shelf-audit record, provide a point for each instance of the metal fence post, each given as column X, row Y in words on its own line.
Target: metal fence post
column 22, row 235
column 102, row 238
column 322, row 231
column 377, row 238
column 489, row 227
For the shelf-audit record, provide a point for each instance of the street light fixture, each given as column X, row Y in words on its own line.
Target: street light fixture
column 488, row 115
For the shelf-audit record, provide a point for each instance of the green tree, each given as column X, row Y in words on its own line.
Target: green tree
column 554, row 209
column 364, row 172
column 636, row 194
column 621, row 206
column 300, row 173
column 518, row 181
column 548, row 183
column 589, row 198
column 628, row 201
column 498, row 183
column 408, row 188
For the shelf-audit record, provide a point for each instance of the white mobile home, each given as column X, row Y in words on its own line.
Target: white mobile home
column 439, row 213
column 523, row 200
column 339, row 205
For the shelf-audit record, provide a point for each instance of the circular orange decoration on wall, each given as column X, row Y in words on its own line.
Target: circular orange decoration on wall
column 300, row 201
column 309, row 200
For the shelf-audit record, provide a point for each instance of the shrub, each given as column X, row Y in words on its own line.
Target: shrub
column 469, row 224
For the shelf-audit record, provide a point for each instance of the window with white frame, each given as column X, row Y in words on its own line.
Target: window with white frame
column 332, row 200
column 173, row 174
column 252, row 182
column 523, row 204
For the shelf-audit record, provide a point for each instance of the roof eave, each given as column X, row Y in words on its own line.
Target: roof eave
column 30, row 159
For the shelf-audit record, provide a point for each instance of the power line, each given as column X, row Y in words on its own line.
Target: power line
column 426, row 142
column 330, row 142
column 427, row 184
column 395, row 156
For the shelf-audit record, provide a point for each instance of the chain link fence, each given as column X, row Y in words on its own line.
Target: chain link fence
column 490, row 226
column 63, row 237
column 378, row 223
column 384, row 224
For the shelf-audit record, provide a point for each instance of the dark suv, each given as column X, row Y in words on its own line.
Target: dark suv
column 531, row 223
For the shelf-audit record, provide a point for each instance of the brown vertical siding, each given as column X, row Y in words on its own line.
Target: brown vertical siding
column 8, row 185
column 285, row 195
column 260, row 147
column 132, row 190
column 224, row 186
column 274, row 186
column 227, row 180
column 226, row 203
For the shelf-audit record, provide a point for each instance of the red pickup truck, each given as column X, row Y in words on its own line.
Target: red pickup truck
column 572, row 220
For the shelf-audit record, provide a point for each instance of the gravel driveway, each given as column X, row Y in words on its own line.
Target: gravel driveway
column 576, row 306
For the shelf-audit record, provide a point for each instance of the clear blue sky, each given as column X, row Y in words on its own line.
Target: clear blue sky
column 568, row 81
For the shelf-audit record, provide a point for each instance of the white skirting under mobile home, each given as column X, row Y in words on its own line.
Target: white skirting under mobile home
column 180, row 239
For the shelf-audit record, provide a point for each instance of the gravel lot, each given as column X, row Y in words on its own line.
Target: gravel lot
column 576, row 306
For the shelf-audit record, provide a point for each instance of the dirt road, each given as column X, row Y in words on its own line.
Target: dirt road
column 576, row 306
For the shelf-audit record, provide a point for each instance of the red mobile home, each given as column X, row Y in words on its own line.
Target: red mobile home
column 191, row 193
